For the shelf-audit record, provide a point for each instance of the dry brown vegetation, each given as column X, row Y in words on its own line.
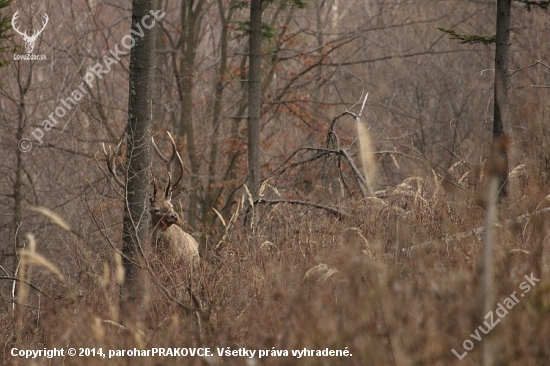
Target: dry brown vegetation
column 395, row 278
column 309, row 280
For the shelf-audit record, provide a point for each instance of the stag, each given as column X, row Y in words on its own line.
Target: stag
column 29, row 40
column 168, row 238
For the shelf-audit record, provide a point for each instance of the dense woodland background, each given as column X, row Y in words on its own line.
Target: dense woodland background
column 395, row 277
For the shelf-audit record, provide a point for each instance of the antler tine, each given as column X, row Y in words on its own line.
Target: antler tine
column 152, row 198
column 37, row 32
column 16, row 16
column 157, row 150
column 175, row 154
column 168, row 192
column 111, row 156
column 46, row 18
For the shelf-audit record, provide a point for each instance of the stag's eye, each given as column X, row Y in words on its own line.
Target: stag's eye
column 157, row 210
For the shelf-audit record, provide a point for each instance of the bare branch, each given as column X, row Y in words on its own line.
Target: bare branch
column 34, row 287
column 537, row 62
column 111, row 164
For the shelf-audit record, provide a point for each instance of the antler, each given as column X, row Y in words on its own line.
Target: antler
column 25, row 35
column 36, row 33
column 16, row 16
column 154, row 196
column 170, row 187
column 111, row 156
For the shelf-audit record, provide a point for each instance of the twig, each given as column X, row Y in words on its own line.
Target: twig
column 11, row 278
column 358, row 174
column 363, row 105
column 524, row 67
column 537, row 62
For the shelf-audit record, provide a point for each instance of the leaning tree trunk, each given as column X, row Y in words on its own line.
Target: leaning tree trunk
column 136, row 213
column 254, row 100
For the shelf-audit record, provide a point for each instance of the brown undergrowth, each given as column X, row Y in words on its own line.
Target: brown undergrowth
column 396, row 282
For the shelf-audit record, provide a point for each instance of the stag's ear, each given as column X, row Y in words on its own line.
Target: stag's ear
column 152, row 198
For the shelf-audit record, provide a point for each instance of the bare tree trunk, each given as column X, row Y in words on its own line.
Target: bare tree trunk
column 136, row 213
column 191, row 18
column 18, row 182
column 18, row 185
column 498, row 163
column 319, row 39
column 17, row 220
column 232, row 174
column 254, row 99
column 211, row 195
column 502, row 56
column 160, row 64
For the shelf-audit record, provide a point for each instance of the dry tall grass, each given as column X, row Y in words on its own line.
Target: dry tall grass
column 392, row 283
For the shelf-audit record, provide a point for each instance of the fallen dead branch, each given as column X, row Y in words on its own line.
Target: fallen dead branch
column 333, row 210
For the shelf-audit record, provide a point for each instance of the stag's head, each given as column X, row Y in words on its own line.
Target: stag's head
column 162, row 212
column 29, row 40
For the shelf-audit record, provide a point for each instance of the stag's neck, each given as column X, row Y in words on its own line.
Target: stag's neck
column 160, row 225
